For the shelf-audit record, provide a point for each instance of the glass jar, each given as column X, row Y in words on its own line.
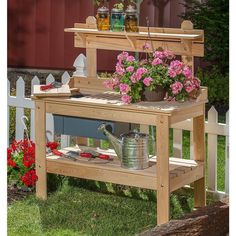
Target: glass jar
column 117, row 19
column 103, row 18
column 131, row 19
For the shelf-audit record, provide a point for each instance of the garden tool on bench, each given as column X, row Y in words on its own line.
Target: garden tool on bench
column 85, row 154
column 52, row 85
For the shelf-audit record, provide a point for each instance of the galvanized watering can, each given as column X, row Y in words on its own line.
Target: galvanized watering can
column 131, row 149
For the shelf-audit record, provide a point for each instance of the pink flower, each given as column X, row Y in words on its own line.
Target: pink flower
column 130, row 69
column 168, row 54
column 141, row 71
column 146, row 46
column 156, row 61
column 111, row 83
column 196, row 82
column 122, row 56
column 126, row 98
column 147, row 81
column 108, row 84
column 119, row 70
column 133, row 78
column 130, row 59
column 158, row 54
column 172, row 73
column 124, row 88
column 191, row 84
column 176, row 87
column 177, row 66
column 115, row 81
column 187, row 72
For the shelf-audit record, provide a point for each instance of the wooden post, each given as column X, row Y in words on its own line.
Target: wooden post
column 199, row 155
column 187, row 44
column 163, row 192
column 91, row 53
column 40, row 140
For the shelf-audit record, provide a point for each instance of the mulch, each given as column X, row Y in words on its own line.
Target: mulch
column 16, row 194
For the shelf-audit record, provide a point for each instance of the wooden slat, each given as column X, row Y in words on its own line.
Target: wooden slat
column 210, row 128
column 112, row 100
column 141, row 34
column 124, row 45
column 189, row 176
column 212, row 151
column 177, row 142
column 163, row 188
column 199, row 155
column 188, row 60
column 91, row 58
column 20, row 94
column 40, row 151
column 111, row 171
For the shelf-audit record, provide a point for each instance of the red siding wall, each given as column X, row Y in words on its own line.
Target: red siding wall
column 36, row 37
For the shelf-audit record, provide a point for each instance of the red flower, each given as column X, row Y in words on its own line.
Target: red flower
column 11, row 163
column 52, row 145
column 28, row 160
column 29, row 178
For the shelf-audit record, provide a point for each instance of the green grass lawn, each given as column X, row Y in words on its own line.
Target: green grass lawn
column 79, row 211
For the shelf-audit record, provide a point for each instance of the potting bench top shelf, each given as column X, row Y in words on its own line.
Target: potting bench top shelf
column 181, row 34
column 108, row 105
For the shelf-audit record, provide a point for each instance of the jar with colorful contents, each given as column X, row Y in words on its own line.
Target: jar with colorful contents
column 131, row 19
column 103, row 18
column 117, row 19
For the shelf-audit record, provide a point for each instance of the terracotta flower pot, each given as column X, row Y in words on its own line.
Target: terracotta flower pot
column 155, row 95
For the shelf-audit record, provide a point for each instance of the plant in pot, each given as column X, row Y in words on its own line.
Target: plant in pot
column 155, row 78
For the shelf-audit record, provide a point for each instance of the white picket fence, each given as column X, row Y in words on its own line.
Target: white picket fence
column 212, row 127
column 20, row 102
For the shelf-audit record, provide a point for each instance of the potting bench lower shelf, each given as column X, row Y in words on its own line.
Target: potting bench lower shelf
column 165, row 176
column 181, row 171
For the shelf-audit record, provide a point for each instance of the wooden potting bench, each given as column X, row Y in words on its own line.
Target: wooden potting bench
column 165, row 174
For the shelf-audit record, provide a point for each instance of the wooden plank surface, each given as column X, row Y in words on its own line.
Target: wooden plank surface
column 111, row 100
column 111, row 171
column 183, row 35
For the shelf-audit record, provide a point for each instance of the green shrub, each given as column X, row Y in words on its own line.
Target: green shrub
column 213, row 17
column 217, row 83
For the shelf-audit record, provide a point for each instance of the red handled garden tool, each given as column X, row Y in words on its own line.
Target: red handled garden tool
column 86, row 154
column 52, row 85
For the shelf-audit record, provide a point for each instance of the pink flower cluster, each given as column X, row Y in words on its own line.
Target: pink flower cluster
column 163, row 54
column 183, row 78
column 147, row 81
column 158, row 69
column 124, row 88
column 176, row 87
column 138, row 74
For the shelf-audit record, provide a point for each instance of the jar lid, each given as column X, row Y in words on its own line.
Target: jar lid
column 131, row 10
column 103, row 10
column 115, row 10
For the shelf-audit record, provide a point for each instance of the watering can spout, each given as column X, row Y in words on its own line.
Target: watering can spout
column 114, row 141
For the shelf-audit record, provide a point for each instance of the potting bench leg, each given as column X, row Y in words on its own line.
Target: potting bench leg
column 163, row 193
column 40, row 155
column 199, row 155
